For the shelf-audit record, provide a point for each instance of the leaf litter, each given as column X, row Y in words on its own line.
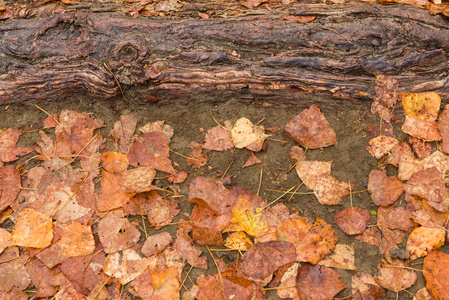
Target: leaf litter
column 89, row 243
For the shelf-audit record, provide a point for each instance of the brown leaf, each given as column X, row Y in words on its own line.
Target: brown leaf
column 263, row 259
column 297, row 153
column 160, row 211
column 151, row 149
column 425, row 130
column 312, row 242
column 211, row 194
column 422, row 294
column 187, row 249
column 12, row 271
column 421, row 148
column 68, row 292
column 9, row 185
column 207, row 226
column 386, row 97
column 329, row 191
column 436, row 272
column 212, row 288
column 342, row 258
column 422, row 240
column 32, row 229
column 395, row 277
column 238, row 241
column 158, row 126
column 196, row 158
column 384, row 190
column 123, row 132
column 8, row 140
column 142, row 286
column 300, row 19
column 42, row 278
column 364, row 286
column 117, row 233
column 311, row 129
column 429, row 184
column 429, row 217
column 376, row 130
column 157, row 243
column 318, row 282
column 352, row 220
column 252, row 160
column 381, row 145
column 370, row 236
column 218, row 138
column 127, row 265
column 287, row 285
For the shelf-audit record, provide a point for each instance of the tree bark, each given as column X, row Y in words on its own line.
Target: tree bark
column 259, row 56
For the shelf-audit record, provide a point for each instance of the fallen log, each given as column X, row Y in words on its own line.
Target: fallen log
column 258, row 56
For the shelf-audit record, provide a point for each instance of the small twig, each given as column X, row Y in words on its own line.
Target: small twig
column 224, row 174
column 116, row 80
column 278, row 197
column 271, row 139
column 35, row 105
column 260, row 181
column 278, row 288
column 219, row 123
column 102, row 286
column 218, row 269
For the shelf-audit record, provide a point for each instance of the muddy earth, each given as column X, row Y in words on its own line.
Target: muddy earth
column 190, row 121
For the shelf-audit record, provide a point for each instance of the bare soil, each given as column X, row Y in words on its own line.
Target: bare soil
column 191, row 120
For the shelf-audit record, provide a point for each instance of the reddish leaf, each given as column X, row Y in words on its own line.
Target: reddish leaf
column 160, row 211
column 207, row 226
column 212, row 288
column 157, row 243
column 68, row 292
column 429, row 184
column 384, row 190
column 376, row 130
column 187, row 249
column 151, row 149
column 429, row 217
column 370, row 236
column 386, row 97
column 218, row 138
column 395, row 277
column 381, row 145
column 308, row 170
column 252, row 160
column 436, row 272
column 312, row 242
column 421, row 148
column 117, row 233
column 425, row 130
column 263, row 259
column 196, row 158
column 9, row 185
column 318, row 282
column 443, row 125
column 311, row 129
column 329, row 191
column 158, row 126
column 342, row 258
column 142, row 286
column 364, row 286
column 8, row 149
column 42, row 278
column 211, row 194
column 123, row 132
column 352, row 220
column 12, row 271
column 5, row 239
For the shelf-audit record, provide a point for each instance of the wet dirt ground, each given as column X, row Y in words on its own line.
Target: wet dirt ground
column 190, row 121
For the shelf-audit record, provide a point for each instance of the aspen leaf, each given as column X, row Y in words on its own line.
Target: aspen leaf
column 318, row 282
column 424, row 106
column 238, row 241
column 352, row 220
column 32, row 229
column 425, row 130
column 218, row 138
column 364, row 286
column 436, row 272
column 77, row 240
column 246, row 217
column 342, row 258
column 395, row 278
column 246, row 135
column 114, row 162
column 381, row 145
column 166, row 283
column 8, row 140
column 116, row 233
column 384, row 190
column 123, row 132
column 422, row 240
column 9, row 185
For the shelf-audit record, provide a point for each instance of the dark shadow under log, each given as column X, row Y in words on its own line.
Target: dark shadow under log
column 255, row 57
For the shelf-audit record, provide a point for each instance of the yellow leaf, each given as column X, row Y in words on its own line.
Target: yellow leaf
column 245, row 217
column 424, row 106
column 238, row 241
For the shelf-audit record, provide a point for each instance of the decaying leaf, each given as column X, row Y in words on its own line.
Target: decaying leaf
column 329, row 191
column 364, row 286
column 424, row 106
column 384, row 190
column 158, row 126
column 32, row 229
column 287, row 285
column 166, row 283
column 342, row 258
column 370, row 236
column 352, row 220
column 421, row 148
column 211, row 287
column 76, row 240
column 318, row 282
column 196, row 158
column 386, row 97
column 218, row 138
column 9, row 185
column 312, row 241
column 5, row 239
column 381, row 145
column 8, row 140
column 425, row 130
column 114, row 162
column 117, row 233
column 422, row 240
column 207, row 226
column 443, row 125
column 186, row 249
column 246, row 135
column 160, row 211
column 308, row 170
column 395, row 277
column 249, row 218
column 13, row 274
column 127, row 265
column 311, row 129
column 436, row 272
column 263, row 259
column 42, row 278
column 142, row 286
column 211, row 194
column 252, row 160
column 157, row 243
column 123, row 132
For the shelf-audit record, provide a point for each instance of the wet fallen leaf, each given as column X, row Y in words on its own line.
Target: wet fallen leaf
column 196, row 158
column 246, row 135
column 9, row 185
column 127, row 265
column 312, row 241
column 423, row 294
column 207, row 226
column 381, row 145
column 436, row 272
column 376, row 130
column 429, row 217
column 422, row 240
column 297, row 153
column 395, row 218
column 32, row 229
column 395, row 277
column 425, row 130
column 311, row 129
column 123, row 132
column 364, row 286
column 117, row 233
column 67, row 291
column 252, row 160
column 151, row 149
column 157, row 243
column 8, row 140
column 370, row 236
column 218, row 138
column 429, row 184
column 352, row 220
column 13, row 274
column 211, row 194
column 384, row 190
column 263, row 259
column 424, row 106
column 166, row 283
column 287, row 286
column 238, row 241
column 76, row 240
column 318, row 282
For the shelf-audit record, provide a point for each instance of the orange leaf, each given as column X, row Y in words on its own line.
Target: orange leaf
column 381, row 145
column 394, row 277
column 114, row 162
column 422, row 240
column 77, row 240
column 166, row 284
column 424, row 106
column 436, row 273
column 32, row 229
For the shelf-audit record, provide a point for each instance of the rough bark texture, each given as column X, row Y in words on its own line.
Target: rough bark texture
column 257, row 56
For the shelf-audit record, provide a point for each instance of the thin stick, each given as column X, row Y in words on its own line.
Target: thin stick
column 350, row 192
column 224, row 174
column 271, row 139
column 35, row 105
column 292, row 194
column 260, row 121
column 65, row 203
column 218, row 123
column 278, row 288
column 278, row 197
column 218, row 269
column 102, row 286
column 116, row 80
column 260, row 181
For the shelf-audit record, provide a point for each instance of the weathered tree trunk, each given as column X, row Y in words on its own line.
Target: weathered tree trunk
column 258, row 56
